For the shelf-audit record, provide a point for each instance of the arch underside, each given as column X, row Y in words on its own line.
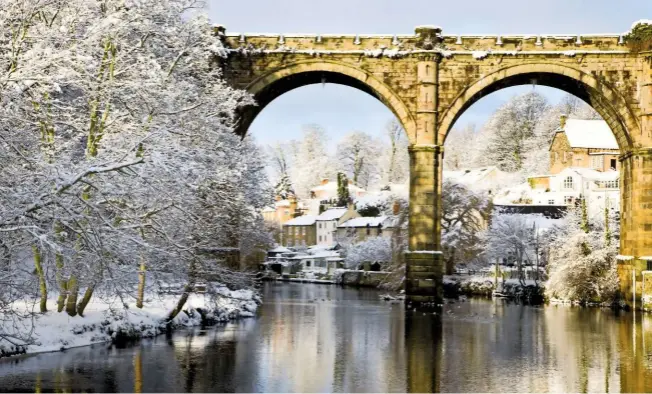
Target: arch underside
column 277, row 82
column 294, row 81
column 600, row 97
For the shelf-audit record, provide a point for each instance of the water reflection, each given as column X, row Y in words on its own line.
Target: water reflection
column 311, row 338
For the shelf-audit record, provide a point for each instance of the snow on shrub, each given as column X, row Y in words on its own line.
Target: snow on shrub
column 376, row 249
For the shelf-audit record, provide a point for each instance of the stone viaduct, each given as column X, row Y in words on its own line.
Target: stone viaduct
column 428, row 79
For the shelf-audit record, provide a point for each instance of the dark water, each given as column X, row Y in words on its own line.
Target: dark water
column 348, row 340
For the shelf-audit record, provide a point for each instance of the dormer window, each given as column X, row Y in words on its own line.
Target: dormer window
column 568, row 182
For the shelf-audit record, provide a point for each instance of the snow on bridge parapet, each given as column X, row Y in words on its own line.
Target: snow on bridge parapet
column 396, row 45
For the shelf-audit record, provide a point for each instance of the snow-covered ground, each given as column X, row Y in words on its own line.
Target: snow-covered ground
column 109, row 320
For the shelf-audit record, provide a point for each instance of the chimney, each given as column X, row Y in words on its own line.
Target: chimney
column 293, row 204
column 562, row 121
column 324, row 181
column 396, row 208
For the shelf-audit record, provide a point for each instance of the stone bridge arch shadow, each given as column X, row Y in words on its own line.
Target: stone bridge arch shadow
column 609, row 104
column 278, row 81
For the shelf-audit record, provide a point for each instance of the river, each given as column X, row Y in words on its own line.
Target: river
column 310, row 338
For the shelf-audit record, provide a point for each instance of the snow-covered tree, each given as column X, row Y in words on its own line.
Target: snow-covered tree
column 513, row 237
column 582, row 264
column 511, row 128
column 356, row 156
column 372, row 250
column 464, row 148
column 464, row 216
column 283, row 188
column 394, row 162
column 117, row 148
column 311, row 162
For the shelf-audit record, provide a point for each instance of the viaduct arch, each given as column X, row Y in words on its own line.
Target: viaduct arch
column 429, row 79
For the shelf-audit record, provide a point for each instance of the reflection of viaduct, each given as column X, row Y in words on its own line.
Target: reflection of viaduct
column 428, row 80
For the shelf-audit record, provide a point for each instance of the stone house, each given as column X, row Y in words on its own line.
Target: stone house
column 300, row 231
column 328, row 221
column 360, row 228
column 583, row 143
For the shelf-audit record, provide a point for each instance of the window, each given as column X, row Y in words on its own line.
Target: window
column 596, row 162
column 320, row 238
column 551, row 202
column 568, row 200
column 612, row 164
column 308, row 263
column 319, row 225
column 568, row 182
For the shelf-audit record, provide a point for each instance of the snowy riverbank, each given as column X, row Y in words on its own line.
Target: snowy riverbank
column 111, row 321
column 470, row 285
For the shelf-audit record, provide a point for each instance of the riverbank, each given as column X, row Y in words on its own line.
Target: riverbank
column 478, row 286
column 109, row 320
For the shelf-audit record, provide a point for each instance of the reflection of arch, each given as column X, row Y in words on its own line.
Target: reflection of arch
column 273, row 84
column 605, row 100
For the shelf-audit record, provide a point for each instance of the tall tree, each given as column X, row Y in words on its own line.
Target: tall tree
column 394, row 163
column 141, row 165
column 311, row 162
column 510, row 129
column 356, row 156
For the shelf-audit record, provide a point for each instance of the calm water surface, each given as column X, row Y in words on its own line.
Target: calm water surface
column 317, row 338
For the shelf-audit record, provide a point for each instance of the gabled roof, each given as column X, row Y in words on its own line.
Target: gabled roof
column 592, row 134
column 364, row 222
column 306, row 220
column 332, row 214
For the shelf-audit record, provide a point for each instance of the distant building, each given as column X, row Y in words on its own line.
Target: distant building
column 327, row 190
column 583, row 144
column 328, row 221
column 283, row 210
column 572, row 184
column 361, row 228
column 300, row 231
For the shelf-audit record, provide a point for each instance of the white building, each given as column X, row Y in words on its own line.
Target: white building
column 328, row 221
column 565, row 188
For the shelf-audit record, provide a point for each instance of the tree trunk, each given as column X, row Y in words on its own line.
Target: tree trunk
column 43, row 288
column 63, row 286
column 73, row 289
column 181, row 302
column 85, row 299
column 141, row 284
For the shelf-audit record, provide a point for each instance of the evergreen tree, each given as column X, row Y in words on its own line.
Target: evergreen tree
column 343, row 196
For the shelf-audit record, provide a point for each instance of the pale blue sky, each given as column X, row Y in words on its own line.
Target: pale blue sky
column 340, row 109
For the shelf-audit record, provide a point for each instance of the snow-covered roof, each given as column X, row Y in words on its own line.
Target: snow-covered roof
column 594, row 175
column 269, row 209
column 282, row 203
column 593, row 134
column 469, row 176
column 364, row 222
column 280, row 249
column 306, row 220
column 332, row 214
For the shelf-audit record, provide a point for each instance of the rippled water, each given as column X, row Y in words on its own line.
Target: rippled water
column 311, row 338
